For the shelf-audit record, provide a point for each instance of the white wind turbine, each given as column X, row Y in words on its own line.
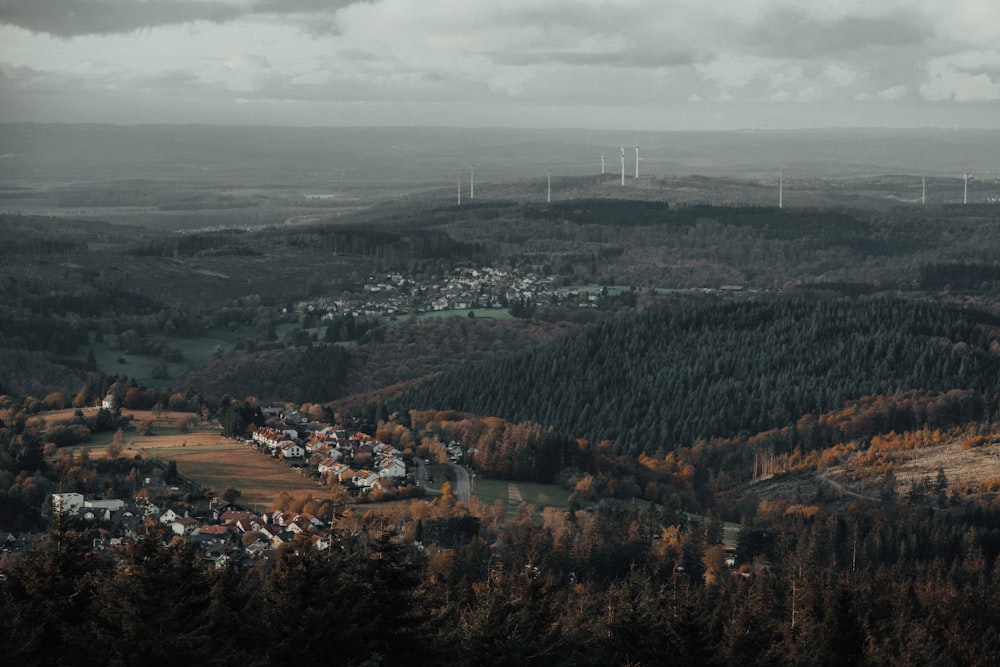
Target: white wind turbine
column 637, row 162
column 623, row 165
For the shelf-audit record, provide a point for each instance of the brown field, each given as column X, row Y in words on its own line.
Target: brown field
column 206, row 457
column 218, row 463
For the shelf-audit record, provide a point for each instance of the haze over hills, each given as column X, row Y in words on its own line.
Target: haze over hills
column 34, row 155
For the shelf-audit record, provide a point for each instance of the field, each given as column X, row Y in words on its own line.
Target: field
column 486, row 313
column 513, row 494
column 219, row 463
column 206, row 457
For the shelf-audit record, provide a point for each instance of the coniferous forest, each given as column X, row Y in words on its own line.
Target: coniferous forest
column 698, row 368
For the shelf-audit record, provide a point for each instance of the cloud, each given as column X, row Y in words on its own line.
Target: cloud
column 70, row 18
column 970, row 76
column 794, row 33
column 74, row 18
column 624, row 58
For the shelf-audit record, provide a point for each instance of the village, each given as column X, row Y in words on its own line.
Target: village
column 462, row 288
column 356, row 466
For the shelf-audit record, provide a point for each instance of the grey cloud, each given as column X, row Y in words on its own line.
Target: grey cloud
column 356, row 54
column 591, row 20
column 792, row 33
column 70, row 18
column 990, row 70
column 18, row 74
column 642, row 59
column 73, row 18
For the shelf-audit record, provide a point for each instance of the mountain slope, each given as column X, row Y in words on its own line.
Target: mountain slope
column 698, row 368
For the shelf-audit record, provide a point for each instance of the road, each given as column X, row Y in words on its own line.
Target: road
column 839, row 488
column 421, row 474
column 461, row 489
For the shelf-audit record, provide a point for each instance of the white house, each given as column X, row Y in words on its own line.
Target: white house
column 184, row 526
column 290, row 450
column 365, row 478
column 390, row 466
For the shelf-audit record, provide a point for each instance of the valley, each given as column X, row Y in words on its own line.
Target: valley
column 678, row 404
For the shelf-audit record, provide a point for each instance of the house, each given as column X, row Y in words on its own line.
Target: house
column 299, row 525
column 232, row 516
column 248, row 525
column 290, row 450
column 169, row 516
column 67, row 503
column 390, row 466
column 293, row 416
column 342, row 473
column 110, row 402
column 73, row 503
column 364, row 478
column 327, row 465
column 184, row 526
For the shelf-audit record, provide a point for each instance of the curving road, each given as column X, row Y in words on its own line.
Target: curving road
column 462, row 488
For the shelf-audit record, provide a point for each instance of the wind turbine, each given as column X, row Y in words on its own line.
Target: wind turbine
column 472, row 181
column 548, row 193
column 459, row 190
column 623, row 165
column 781, row 189
column 965, row 196
column 923, row 189
column 637, row 162
column 602, row 164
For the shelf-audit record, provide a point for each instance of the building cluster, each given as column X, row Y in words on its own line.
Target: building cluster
column 335, row 455
column 225, row 533
column 463, row 288
column 356, row 461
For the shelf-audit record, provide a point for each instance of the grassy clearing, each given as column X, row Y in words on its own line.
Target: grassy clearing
column 541, row 495
column 197, row 351
column 485, row 313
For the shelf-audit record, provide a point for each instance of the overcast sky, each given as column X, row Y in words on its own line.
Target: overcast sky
column 602, row 64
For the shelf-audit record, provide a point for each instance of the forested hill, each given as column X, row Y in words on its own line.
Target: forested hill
column 698, row 368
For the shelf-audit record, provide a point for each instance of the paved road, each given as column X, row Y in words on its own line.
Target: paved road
column 462, row 489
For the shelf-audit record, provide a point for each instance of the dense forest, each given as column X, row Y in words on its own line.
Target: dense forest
column 699, row 368
column 888, row 585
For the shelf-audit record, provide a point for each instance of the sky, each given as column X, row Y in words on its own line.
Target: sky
column 598, row 64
